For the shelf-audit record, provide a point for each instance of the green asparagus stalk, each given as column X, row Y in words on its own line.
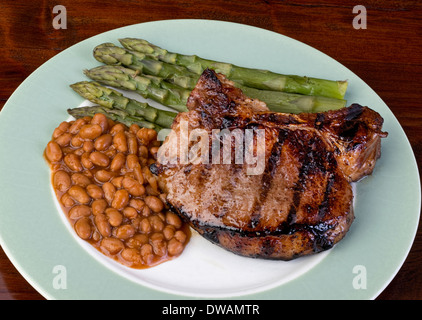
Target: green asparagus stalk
column 276, row 101
column 149, row 87
column 109, row 98
column 256, row 78
column 111, row 54
column 114, row 114
column 291, row 102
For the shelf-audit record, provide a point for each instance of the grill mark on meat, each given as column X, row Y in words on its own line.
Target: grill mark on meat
column 353, row 112
column 325, row 205
column 297, row 194
column 268, row 176
column 305, row 166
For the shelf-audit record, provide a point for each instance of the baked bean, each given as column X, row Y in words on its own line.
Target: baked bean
column 134, row 128
column 98, row 206
column 112, row 245
column 135, row 222
column 133, row 187
column 180, row 235
column 150, row 178
column 120, row 141
column 143, row 162
column 143, row 152
column 109, row 190
column 137, row 241
column 102, row 224
column 99, row 159
column 145, row 226
column 159, row 246
column 156, row 223
column 68, row 149
column 79, row 152
column 61, row 180
column 96, row 236
column 90, row 131
column 154, row 203
column 146, row 135
column 117, row 128
column 103, row 142
column 117, row 181
column 168, row 232
column 132, row 143
column 103, row 175
column 83, row 228
column 151, row 191
column 85, row 161
column 80, row 180
column 118, row 162
column 88, row 146
column 115, row 218
column 53, row 152
column 131, row 255
column 174, row 247
column 110, row 152
column 132, row 161
column 146, row 211
column 62, row 128
column 138, row 174
column 138, row 204
column 76, row 141
column 73, row 162
column 173, row 219
column 125, row 231
column 76, row 126
column 130, row 212
column 79, row 194
column 67, row 200
column 94, row 191
column 121, row 199
column 147, row 253
column 101, row 120
column 79, row 211
column 64, row 139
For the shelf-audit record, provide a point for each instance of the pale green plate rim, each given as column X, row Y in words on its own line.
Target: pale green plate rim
column 35, row 239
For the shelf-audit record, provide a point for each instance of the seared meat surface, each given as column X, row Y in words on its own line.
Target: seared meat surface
column 300, row 201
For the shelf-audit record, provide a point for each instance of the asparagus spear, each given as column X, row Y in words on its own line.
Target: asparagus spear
column 291, row 102
column 111, row 54
column 147, row 86
column 275, row 100
column 260, row 79
column 110, row 98
column 114, row 114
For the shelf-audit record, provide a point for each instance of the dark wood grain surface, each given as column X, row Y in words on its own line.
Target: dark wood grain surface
column 387, row 55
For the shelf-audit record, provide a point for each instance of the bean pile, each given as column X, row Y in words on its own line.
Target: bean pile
column 101, row 176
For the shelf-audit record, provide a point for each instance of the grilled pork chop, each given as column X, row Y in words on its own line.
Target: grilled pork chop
column 301, row 202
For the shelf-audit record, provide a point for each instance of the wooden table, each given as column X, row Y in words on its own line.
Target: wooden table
column 386, row 55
